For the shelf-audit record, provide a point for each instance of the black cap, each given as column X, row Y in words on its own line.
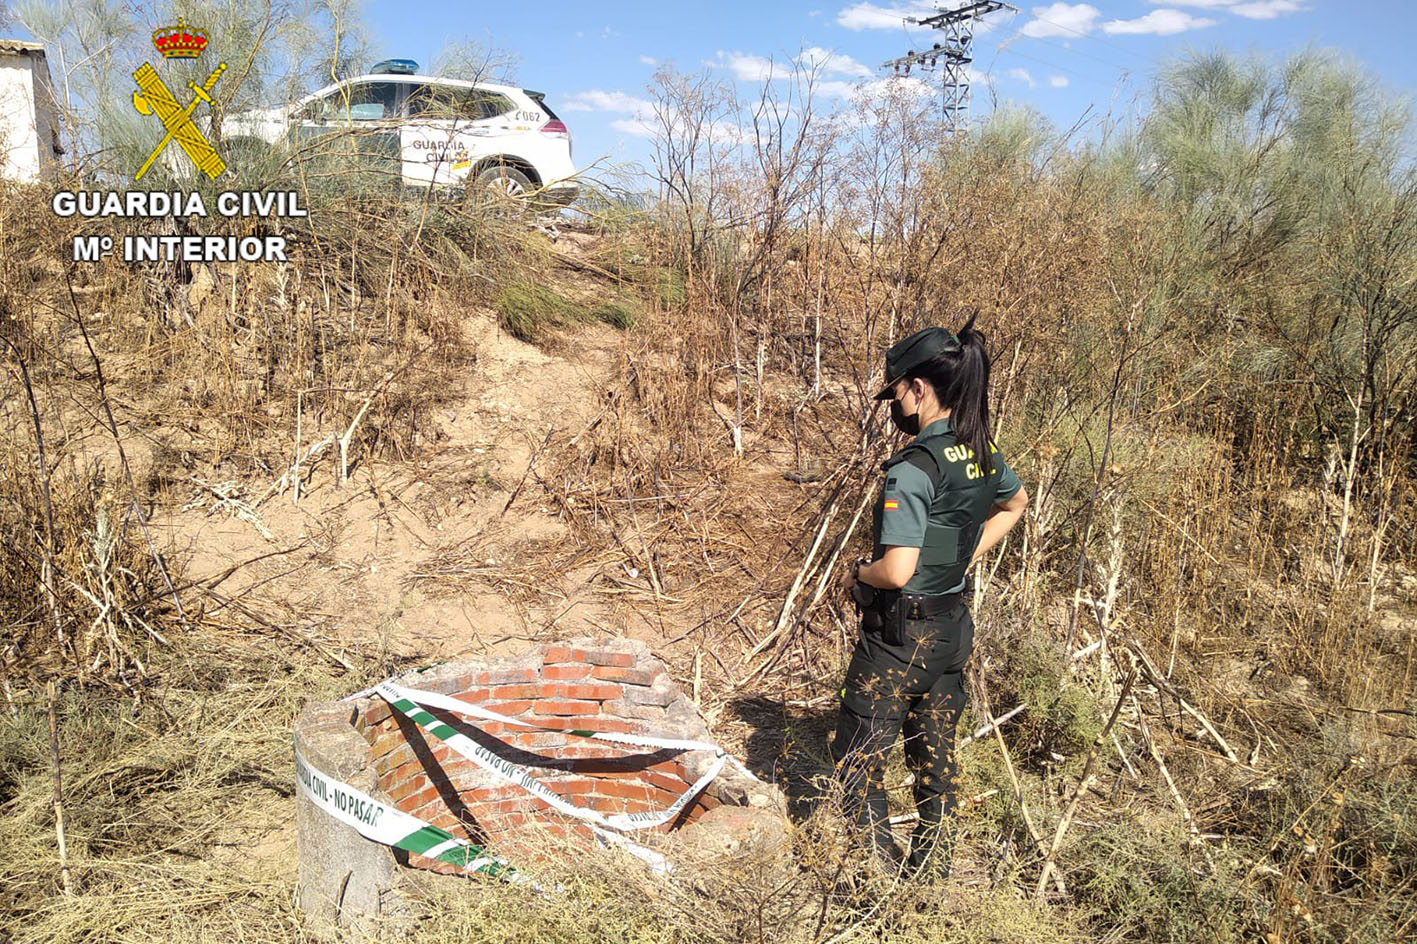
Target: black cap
column 909, row 353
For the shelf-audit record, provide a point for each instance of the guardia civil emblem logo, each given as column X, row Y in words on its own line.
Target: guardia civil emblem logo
column 155, row 98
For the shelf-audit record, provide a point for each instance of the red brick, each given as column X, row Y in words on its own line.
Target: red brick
column 458, row 769
column 504, row 677
column 518, row 690
column 494, row 728
column 585, row 690
column 541, row 740
column 377, row 713
column 522, row 804
column 443, row 820
column 490, row 794
column 423, row 797
column 600, row 724
column 661, row 799
column 586, row 750
column 665, row 782
column 563, row 654
column 373, row 731
column 396, row 758
column 615, row 673
column 404, row 790
column 407, row 771
column 625, row 789
column 563, row 832
column 603, row 657
column 509, row 708
column 387, row 743
column 474, row 695
column 551, row 706
column 573, row 787
column 433, row 865
column 565, row 671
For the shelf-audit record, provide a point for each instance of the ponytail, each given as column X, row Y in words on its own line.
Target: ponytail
column 961, row 382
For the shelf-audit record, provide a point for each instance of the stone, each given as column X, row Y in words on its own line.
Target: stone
column 345, row 882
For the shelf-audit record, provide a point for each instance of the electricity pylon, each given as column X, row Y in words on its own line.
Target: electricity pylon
column 955, row 52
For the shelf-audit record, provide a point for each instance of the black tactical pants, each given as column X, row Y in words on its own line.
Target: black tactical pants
column 917, row 688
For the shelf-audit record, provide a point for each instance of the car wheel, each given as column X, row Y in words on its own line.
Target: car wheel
column 504, row 183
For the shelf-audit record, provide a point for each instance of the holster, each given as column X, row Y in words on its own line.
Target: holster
column 880, row 612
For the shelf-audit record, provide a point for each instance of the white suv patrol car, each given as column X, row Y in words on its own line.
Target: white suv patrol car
column 441, row 131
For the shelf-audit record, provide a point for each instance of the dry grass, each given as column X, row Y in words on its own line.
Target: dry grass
column 1205, row 513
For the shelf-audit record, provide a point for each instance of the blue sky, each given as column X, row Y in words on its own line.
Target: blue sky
column 594, row 60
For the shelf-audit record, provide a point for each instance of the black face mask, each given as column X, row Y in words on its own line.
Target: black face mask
column 910, row 425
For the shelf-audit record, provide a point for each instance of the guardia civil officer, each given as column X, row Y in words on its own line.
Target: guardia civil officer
column 948, row 497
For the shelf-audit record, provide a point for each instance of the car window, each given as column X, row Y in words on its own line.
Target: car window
column 362, row 101
column 436, row 101
column 314, row 111
column 490, row 104
column 540, row 99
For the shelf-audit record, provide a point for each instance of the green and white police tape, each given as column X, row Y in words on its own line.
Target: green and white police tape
column 393, row 827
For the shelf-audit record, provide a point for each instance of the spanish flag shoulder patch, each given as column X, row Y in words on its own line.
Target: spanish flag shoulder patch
column 891, row 503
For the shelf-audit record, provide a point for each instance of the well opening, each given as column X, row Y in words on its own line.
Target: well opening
column 364, row 764
column 571, row 688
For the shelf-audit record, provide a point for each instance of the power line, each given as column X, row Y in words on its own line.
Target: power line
column 1053, row 65
column 1078, row 52
column 1085, row 35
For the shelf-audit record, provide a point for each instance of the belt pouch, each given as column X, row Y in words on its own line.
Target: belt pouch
column 892, row 616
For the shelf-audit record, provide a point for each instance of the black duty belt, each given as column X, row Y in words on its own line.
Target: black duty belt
column 923, row 606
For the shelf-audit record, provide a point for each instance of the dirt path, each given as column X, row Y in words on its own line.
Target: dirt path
column 352, row 562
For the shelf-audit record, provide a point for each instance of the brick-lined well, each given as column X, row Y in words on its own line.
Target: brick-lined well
column 613, row 685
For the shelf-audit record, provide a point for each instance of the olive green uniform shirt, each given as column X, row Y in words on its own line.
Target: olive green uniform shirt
column 904, row 505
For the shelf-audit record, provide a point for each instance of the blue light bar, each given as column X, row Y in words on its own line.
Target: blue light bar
column 394, row 67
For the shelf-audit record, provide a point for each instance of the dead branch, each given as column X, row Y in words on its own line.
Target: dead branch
column 1049, row 859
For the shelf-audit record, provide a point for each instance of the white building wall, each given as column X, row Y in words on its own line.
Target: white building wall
column 28, row 125
column 46, row 116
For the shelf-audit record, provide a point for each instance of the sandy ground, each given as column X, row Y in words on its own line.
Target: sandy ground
column 345, row 560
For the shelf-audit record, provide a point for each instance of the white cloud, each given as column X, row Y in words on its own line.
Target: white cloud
column 1159, row 22
column 1266, row 9
column 907, row 87
column 636, row 127
column 1062, row 19
column 830, row 62
column 639, row 118
column 1252, row 9
column 747, row 67
column 836, row 88
column 864, row 16
column 640, row 121
column 727, row 131
column 1058, row 81
column 1023, row 76
column 649, row 60
column 598, row 100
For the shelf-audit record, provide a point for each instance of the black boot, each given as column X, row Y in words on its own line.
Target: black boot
column 931, row 850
